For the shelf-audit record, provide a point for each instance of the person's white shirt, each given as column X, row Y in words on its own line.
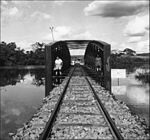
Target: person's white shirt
column 58, row 64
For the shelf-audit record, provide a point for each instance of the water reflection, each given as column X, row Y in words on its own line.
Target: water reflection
column 131, row 94
column 22, row 91
column 119, row 90
column 11, row 76
column 14, row 76
column 134, row 93
column 39, row 77
column 138, row 95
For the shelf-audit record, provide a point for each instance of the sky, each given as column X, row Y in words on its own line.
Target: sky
column 121, row 23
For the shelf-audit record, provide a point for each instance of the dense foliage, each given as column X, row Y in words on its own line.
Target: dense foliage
column 11, row 55
column 124, row 62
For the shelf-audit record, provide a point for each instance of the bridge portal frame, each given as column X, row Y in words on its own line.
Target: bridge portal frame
column 93, row 47
column 52, row 50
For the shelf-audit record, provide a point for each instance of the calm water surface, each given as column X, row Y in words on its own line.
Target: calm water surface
column 134, row 93
column 22, row 91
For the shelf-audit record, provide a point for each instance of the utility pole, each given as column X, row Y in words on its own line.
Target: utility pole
column 52, row 28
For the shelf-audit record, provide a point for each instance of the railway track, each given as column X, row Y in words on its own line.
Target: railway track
column 79, row 113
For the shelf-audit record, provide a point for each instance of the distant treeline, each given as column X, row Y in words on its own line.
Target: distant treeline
column 11, row 55
column 143, row 54
column 128, row 61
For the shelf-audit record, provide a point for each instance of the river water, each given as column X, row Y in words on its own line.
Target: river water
column 22, row 91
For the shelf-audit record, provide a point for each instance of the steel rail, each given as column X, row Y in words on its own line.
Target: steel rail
column 49, row 124
column 46, row 133
column 115, row 132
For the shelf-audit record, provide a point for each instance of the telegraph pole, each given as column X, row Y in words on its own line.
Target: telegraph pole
column 52, row 28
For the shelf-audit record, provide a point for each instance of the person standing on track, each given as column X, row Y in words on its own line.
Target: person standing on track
column 98, row 63
column 58, row 66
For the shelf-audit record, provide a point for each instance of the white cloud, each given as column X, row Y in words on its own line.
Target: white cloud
column 46, row 16
column 62, row 31
column 123, row 46
column 68, row 33
column 17, row 1
column 115, row 8
column 9, row 15
column 40, row 15
column 20, row 2
column 24, row 45
column 143, row 46
column 134, row 39
column 84, row 35
column 138, row 26
column 4, row 2
column 114, row 45
column 60, row 2
column 13, row 11
column 8, row 12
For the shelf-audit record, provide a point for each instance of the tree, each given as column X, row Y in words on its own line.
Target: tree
column 11, row 55
column 129, row 51
column 39, row 53
column 2, row 53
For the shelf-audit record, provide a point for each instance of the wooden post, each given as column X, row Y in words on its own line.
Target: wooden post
column 118, row 81
column 48, row 69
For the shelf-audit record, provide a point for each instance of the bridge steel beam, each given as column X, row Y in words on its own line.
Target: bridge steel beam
column 103, row 49
column 48, row 69
column 107, row 68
